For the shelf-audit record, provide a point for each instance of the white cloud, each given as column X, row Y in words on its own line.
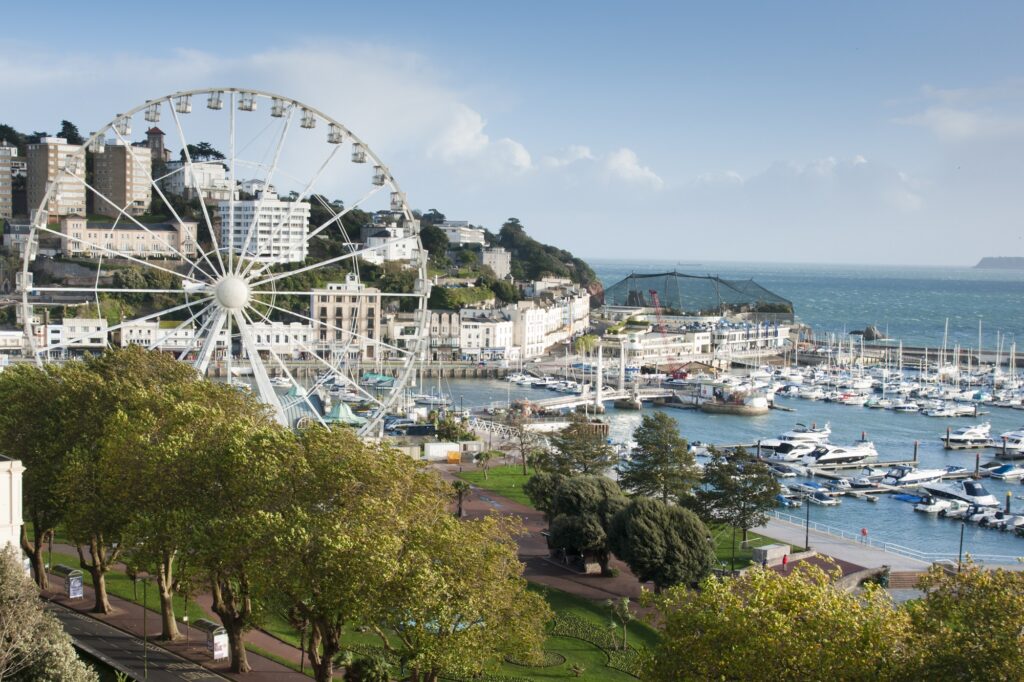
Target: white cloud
column 571, row 155
column 959, row 125
column 717, row 178
column 464, row 140
column 624, row 165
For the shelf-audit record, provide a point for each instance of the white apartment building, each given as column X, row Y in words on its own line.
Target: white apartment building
column 80, row 334
column 390, row 243
column 211, row 178
column 499, row 260
column 530, row 323
column 487, row 335
column 16, row 235
column 8, row 154
column 348, row 319
column 257, row 187
column 121, row 173
column 164, row 335
column 461, row 233
column 158, row 240
column 10, row 502
column 47, row 160
column 286, row 340
column 278, row 231
column 400, row 331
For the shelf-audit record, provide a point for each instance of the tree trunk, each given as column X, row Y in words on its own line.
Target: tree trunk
column 164, row 581
column 233, row 619
column 744, row 537
column 99, row 585
column 604, row 559
column 324, row 645
column 35, row 555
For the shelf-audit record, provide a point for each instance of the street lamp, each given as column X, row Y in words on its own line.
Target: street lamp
column 960, row 557
column 807, row 524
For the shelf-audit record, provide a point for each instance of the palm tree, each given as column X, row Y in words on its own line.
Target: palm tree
column 461, row 489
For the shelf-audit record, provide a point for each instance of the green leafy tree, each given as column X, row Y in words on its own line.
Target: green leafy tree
column 31, row 428
column 970, row 624
column 367, row 669
column 765, row 626
column 738, row 490
column 33, row 644
column 483, row 459
column 202, row 151
column 434, row 240
column 351, row 510
column 69, row 131
column 432, row 217
column 461, row 491
column 452, row 430
column 459, row 604
column 580, row 448
column 661, row 465
column 661, row 542
column 541, row 489
column 622, row 613
column 582, row 509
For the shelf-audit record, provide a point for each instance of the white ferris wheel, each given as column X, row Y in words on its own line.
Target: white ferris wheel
column 196, row 253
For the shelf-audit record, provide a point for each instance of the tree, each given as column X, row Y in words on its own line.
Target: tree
column 351, row 509
column 765, row 626
column 541, row 489
column 434, row 240
column 527, row 441
column 661, row 465
column 582, row 509
column 432, row 217
column 461, row 490
column 69, row 131
column 661, row 542
column 452, row 430
column 738, row 490
column 483, row 458
column 969, row 623
column 622, row 613
column 580, row 448
column 368, row 669
column 31, row 429
column 459, row 603
column 33, row 644
column 203, row 151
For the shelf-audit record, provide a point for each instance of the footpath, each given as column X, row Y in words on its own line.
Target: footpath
column 118, row 640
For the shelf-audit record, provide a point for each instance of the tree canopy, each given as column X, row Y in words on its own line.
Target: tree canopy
column 580, row 448
column 738, row 490
column 533, row 260
column 661, row 465
column 582, row 508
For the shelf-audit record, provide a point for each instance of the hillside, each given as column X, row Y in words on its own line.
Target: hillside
column 1001, row 263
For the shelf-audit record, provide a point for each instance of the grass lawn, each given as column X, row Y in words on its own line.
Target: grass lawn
column 575, row 651
column 119, row 585
column 505, row 480
column 723, row 537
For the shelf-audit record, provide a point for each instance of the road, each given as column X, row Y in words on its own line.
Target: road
column 124, row 652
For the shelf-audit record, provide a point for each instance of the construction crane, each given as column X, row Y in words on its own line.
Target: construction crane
column 657, row 310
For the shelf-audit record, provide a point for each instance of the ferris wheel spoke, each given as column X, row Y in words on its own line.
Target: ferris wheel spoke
column 231, row 194
column 200, row 334
column 254, row 225
column 301, row 392
column 259, row 372
column 195, row 182
column 330, row 261
column 302, row 197
column 104, row 290
column 115, row 252
column 159, row 342
column 217, row 319
column 335, row 217
column 123, row 212
column 122, row 325
column 335, row 370
column 351, row 335
column 149, row 175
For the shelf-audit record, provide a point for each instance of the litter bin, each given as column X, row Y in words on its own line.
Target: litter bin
column 216, row 638
column 72, row 581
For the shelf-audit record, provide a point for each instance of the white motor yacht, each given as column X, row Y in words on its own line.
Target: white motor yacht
column 823, row 499
column 1008, row 472
column 906, row 406
column 932, row 505
column 787, row 451
column 1011, row 444
column 969, row 491
column 977, row 436
column 827, row 454
column 903, row 475
column 808, row 434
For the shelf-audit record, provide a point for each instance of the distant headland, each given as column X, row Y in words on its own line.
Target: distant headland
column 1001, row 263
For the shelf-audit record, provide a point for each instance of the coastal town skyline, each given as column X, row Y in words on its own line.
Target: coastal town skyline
column 677, row 124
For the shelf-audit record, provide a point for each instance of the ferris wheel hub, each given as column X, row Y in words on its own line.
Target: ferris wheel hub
column 232, row 292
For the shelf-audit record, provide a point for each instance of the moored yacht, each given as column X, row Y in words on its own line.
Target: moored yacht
column 827, row 454
column 969, row 490
column 903, row 475
column 1011, row 444
column 977, row 436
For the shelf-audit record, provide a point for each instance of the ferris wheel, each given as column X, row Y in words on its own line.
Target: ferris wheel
column 216, row 241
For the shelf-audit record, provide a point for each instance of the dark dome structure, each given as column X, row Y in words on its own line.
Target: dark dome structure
column 682, row 294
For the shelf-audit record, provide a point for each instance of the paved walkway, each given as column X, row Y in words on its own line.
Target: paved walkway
column 840, row 548
column 128, row 618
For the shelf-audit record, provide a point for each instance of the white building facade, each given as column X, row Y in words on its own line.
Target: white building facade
column 11, row 519
column 499, row 260
column 347, row 318
column 487, row 335
column 461, row 233
column 157, row 240
column 210, row 177
column 278, row 229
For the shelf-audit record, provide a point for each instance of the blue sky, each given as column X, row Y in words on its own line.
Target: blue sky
column 828, row 132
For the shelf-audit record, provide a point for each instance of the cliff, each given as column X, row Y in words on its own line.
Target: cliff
column 1001, row 263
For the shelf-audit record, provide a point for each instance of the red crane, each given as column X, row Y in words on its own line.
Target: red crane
column 657, row 310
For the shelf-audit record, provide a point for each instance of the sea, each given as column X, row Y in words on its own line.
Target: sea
column 912, row 303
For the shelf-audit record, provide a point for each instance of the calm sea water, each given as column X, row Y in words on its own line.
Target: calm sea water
column 911, row 302
column 888, row 520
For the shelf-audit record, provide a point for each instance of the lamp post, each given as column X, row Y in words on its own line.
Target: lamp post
column 960, row 557
column 807, row 524
column 145, row 632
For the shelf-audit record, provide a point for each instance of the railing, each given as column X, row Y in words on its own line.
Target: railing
column 891, row 547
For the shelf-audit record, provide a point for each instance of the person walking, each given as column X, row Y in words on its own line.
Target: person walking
column 785, row 562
